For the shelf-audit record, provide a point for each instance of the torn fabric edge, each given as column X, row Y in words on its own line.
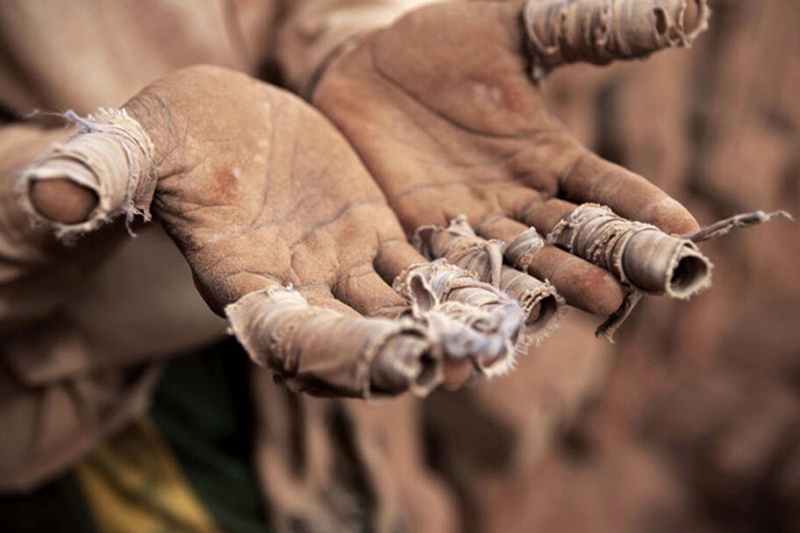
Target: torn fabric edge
column 552, row 307
column 638, row 254
column 322, row 352
column 596, row 234
column 600, row 31
column 745, row 220
column 541, row 303
column 611, row 324
column 446, row 297
column 460, row 245
column 521, row 251
column 111, row 155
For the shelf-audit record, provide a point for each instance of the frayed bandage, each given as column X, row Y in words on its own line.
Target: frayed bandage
column 600, row 31
column 641, row 256
column 320, row 351
column 112, row 156
column 459, row 244
column 446, row 298
column 638, row 254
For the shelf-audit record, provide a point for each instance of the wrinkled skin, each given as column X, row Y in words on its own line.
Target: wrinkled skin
column 259, row 192
column 443, row 111
column 242, row 171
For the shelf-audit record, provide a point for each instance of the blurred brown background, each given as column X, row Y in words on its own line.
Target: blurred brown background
column 691, row 421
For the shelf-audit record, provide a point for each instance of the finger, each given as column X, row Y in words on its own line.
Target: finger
column 328, row 350
column 459, row 244
column 561, row 32
column 321, row 296
column 457, row 373
column 539, row 299
column 394, row 257
column 101, row 172
column 544, row 216
column 593, row 179
column 637, row 254
column 474, row 320
column 366, row 292
column 582, row 284
column 450, row 298
column 62, row 200
column 400, row 366
column 514, row 199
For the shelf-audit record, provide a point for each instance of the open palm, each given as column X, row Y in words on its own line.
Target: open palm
column 445, row 109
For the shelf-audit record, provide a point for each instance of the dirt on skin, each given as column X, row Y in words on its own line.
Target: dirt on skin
column 691, row 421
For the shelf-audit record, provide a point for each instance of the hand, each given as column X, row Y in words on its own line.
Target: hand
column 445, row 109
column 285, row 233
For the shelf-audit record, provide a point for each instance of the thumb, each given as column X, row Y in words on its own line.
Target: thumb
column 101, row 172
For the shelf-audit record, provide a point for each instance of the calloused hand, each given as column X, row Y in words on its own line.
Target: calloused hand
column 286, row 234
column 444, row 107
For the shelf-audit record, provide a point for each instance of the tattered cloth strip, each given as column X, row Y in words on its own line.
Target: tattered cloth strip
column 322, row 352
column 642, row 257
column 112, row 156
column 723, row 227
column 638, row 254
column 445, row 298
column 600, row 31
column 459, row 244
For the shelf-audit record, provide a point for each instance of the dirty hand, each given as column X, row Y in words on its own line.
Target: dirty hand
column 445, row 110
column 285, row 232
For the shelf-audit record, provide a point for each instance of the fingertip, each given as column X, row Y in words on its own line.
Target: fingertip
column 457, row 372
column 62, row 200
column 669, row 216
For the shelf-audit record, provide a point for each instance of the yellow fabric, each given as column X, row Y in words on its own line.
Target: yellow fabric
column 133, row 484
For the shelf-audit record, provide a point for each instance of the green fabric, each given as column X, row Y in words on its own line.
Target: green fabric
column 57, row 506
column 203, row 410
